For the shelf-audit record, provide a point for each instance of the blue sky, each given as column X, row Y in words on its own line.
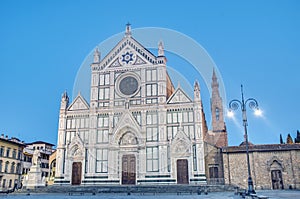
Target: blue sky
column 254, row 43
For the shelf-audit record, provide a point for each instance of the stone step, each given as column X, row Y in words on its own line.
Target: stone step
column 142, row 189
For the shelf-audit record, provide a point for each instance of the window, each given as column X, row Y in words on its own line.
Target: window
column 6, row 167
column 12, row 168
column 169, row 158
column 213, row 172
column 116, row 118
column 151, row 75
column 152, row 159
column 152, row 134
column 104, row 79
column 195, row 157
column 18, row 168
column 137, row 117
column 180, row 116
column 103, row 121
column 151, row 118
column 69, row 121
column 151, row 101
column 1, row 151
column 1, row 165
column 171, row 132
column 84, row 135
column 4, row 182
column 152, row 127
column 189, row 131
column 101, row 160
column 73, row 123
column 10, row 183
column 14, row 154
column 86, row 161
column 104, row 93
column 102, row 136
column 7, row 152
column 151, row 90
column 217, row 114
column 19, row 155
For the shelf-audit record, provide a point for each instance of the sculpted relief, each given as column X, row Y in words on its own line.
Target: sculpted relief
column 128, row 139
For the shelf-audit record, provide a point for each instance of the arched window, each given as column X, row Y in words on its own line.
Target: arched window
column 14, row 154
column 12, row 168
column 1, row 166
column 6, row 167
column 217, row 114
column 18, row 169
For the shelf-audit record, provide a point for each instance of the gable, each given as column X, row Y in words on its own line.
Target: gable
column 179, row 96
column 127, row 52
column 79, row 104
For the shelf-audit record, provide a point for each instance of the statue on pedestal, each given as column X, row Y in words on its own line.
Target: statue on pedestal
column 34, row 178
column 36, row 159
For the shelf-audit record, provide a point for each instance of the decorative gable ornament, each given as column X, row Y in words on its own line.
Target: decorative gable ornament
column 79, row 104
column 179, row 96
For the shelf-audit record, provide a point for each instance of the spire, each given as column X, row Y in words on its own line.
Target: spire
column 128, row 30
column 214, row 80
column 196, row 86
column 217, row 111
column 65, row 96
column 64, row 101
column 97, row 56
column 196, row 91
column 161, row 51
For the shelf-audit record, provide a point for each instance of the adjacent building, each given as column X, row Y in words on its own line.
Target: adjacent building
column 11, row 153
column 273, row 166
column 45, row 149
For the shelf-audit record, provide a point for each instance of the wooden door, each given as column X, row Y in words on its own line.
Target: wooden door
column 182, row 171
column 277, row 182
column 76, row 173
column 128, row 169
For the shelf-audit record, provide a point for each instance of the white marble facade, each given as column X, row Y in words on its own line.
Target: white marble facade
column 136, row 129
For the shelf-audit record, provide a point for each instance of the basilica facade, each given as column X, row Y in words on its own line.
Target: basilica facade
column 137, row 127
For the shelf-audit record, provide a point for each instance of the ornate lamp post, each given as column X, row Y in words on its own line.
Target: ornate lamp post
column 234, row 105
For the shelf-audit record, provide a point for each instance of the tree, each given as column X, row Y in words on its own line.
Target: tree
column 289, row 139
column 297, row 139
column 281, row 140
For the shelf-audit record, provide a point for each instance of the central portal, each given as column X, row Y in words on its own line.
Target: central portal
column 182, row 171
column 128, row 169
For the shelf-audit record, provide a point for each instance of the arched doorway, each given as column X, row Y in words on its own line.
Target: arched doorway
column 76, row 173
column 276, row 173
column 128, row 143
column 277, row 182
column 182, row 171
column 128, row 169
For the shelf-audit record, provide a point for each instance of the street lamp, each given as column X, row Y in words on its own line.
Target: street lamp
column 234, row 105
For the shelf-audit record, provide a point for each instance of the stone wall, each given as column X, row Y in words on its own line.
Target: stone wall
column 262, row 163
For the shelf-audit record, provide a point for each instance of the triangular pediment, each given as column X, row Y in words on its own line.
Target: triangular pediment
column 180, row 135
column 79, row 104
column 127, row 120
column 126, row 124
column 128, row 52
column 179, row 96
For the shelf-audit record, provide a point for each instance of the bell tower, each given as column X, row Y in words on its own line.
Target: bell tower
column 218, row 124
column 217, row 136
